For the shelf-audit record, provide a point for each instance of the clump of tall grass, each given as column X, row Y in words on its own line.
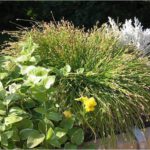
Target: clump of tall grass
column 98, row 66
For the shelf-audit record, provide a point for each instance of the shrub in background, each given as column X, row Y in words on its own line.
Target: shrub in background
column 64, row 83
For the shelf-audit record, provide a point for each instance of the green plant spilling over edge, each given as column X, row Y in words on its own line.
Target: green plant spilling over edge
column 65, row 86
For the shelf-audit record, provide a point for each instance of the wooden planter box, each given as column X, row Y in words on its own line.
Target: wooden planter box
column 140, row 140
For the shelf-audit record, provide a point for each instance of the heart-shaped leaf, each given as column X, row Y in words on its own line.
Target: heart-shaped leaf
column 54, row 116
column 35, row 139
column 12, row 119
column 67, row 123
column 77, row 137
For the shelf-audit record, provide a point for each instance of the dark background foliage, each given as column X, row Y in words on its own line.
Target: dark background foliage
column 80, row 13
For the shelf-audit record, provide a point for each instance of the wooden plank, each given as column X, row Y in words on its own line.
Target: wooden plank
column 147, row 136
column 140, row 137
column 126, row 141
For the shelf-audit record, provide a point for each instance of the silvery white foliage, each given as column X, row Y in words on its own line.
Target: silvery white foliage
column 113, row 25
column 132, row 32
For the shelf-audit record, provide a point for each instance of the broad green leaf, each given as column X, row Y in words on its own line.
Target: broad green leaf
column 24, row 88
column 12, row 97
column 54, row 116
column 16, row 136
column 35, row 139
column 3, row 75
column 1, row 86
column 42, row 126
column 33, row 60
column 25, row 133
column 16, row 111
column 11, row 145
column 52, row 139
column 37, row 75
column 70, row 146
column 14, row 87
column 25, row 123
column 2, row 91
column 11, row 119
column 38, row 93
column 1, row 118
column 32, row 79
column 40, row 110
column 41, row 97
column 80, row 70
column 38, row 88
column 67, row 123
column 2, row 109
column 22, row 58
column 26, row 69
column 2, row 112
column 39, row 72
column 4, row 140
column 55, row 142
column 49, row 134
column 48, row 81
column 60, row 132
column 43, row 82
column 78, row 137
column 2, row 127
column 66, row 70
column 8, row 134
column 30, row 103
column 71, row 131
column 63, row 139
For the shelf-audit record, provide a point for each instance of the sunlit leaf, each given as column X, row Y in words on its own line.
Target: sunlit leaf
column 11, row 119
column 35, row 139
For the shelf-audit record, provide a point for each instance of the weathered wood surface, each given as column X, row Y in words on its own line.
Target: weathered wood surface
column 139, row 140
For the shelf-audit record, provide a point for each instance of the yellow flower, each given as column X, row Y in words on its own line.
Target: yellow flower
column 67, row 114
column 82, row 99
column 90, row 104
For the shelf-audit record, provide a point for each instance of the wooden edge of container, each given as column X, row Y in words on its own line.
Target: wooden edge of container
column 140, row 140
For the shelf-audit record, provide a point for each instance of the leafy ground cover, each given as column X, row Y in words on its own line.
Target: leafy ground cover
column 62, row 86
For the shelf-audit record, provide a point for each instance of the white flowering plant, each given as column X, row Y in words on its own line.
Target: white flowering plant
column 132, row 33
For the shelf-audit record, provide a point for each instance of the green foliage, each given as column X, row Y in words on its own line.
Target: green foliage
column 78, row 133
column 56, row 64
column 34, row 139
column 29, row 116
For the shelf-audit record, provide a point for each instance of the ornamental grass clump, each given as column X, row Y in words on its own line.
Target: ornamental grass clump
column 64, row 85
